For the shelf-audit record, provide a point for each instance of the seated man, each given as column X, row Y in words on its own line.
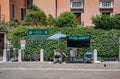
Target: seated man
column 57, row 55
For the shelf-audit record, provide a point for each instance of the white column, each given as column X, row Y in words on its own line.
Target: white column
column 19, row 55
column 111, row 4
column 95, row 55
column 100, row 4
column 4, row 55
column 41, row 55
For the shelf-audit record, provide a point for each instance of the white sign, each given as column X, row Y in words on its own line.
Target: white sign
column 22, row 46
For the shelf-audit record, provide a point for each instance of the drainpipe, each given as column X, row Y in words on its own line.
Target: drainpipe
column 56, row 8
column 0, row 11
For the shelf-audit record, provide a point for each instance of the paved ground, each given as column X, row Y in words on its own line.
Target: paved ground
column 37, row 70
column 1, row 58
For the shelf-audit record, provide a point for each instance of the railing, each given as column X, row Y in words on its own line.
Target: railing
column 106, row 4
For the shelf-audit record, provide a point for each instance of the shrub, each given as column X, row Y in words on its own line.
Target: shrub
column 106, row 22
column 12, row 23
column 7, row 25
column 67, row 19
column 37, row 18
column 2, row 25
column 33, row 8
column 116, row 22
column 105, row 41
column 51, row 21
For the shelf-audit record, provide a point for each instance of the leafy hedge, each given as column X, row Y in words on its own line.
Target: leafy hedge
column 51, row 21
column 37, row 18
column 107, row 22
column 7, row 25
column 106, row 42
column 67, row 19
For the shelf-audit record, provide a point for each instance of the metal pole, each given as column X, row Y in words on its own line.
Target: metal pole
column 46, row 50
column 30, row 50
column 119, row 50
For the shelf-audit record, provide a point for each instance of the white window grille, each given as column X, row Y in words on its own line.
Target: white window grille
column 106, row 4
column 76, row 3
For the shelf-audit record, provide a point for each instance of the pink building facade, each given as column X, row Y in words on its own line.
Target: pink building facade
column 11, row 9
column 83, row 9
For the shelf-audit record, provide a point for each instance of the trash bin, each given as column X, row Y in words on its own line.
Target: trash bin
column 88, row 57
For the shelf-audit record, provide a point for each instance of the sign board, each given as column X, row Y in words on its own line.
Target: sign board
column 78, row 38
column 78, row 41
column 22, row 46
column 22, row 42
column 33, row 38
column 38, row 32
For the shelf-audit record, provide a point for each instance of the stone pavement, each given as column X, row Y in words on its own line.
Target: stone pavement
column 48, row 70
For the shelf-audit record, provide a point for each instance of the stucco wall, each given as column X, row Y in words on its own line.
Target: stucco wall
column 48, row 6
column 19, row 4
column 91, row 9
column 5, row 10
column 63, row 6
column 116, row 6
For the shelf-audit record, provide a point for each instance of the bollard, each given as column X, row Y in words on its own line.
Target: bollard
column 23, row 55
column 19, row 56
column 4, row 55
column 95, row 55
column 14, row 53
column 8, row 54
column 41, row 55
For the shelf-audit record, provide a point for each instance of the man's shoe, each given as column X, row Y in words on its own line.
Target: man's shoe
column 60, row 62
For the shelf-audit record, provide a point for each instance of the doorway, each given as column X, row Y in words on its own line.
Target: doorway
column 1, row 44
column 78, row 15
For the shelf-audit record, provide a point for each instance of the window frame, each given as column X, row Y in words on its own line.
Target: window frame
column 73, row 2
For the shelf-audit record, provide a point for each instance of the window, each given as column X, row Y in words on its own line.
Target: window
column 23, row 12
column 76, row 3
column 13, row 11
column 118, row 14
column 106, row 13
column 78, row 15
column 106, row 4
column 29, row 3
